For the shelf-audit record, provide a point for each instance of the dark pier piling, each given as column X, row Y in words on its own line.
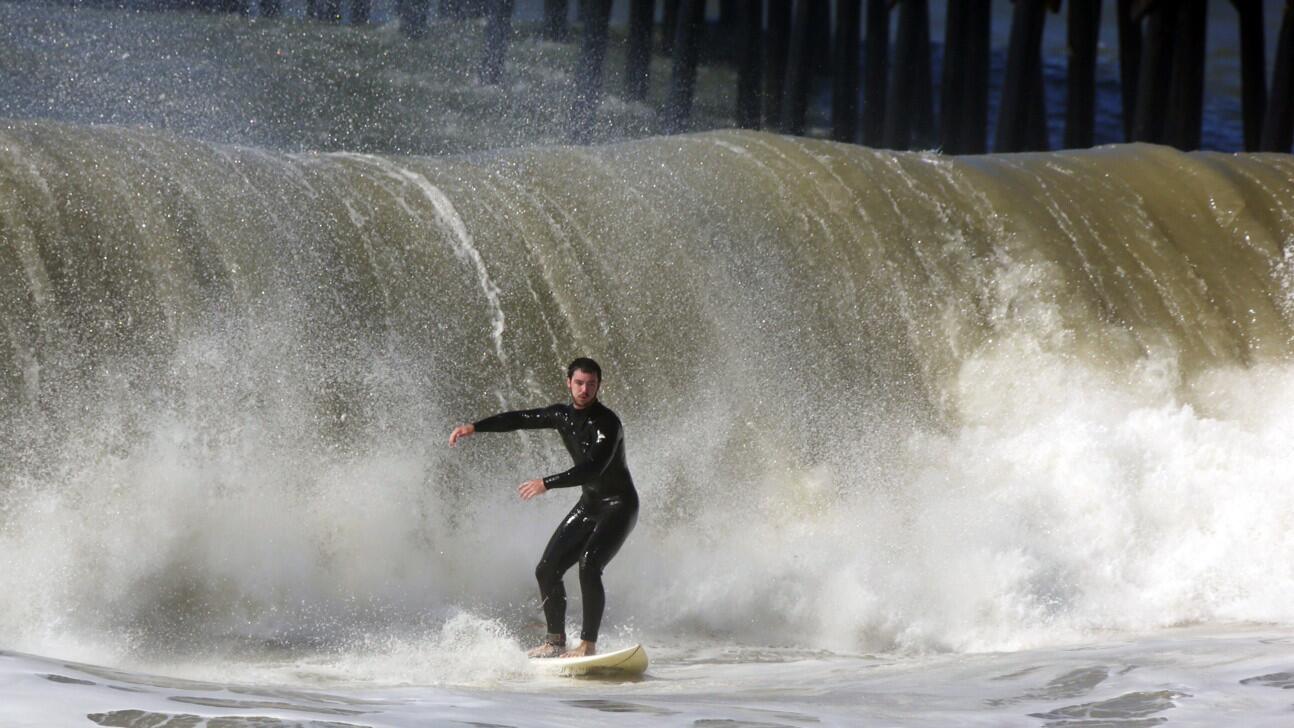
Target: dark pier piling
column 951, row 84
column 909, row 121
column 1278, row 128
column 332, row 11
column 844, row 79
column 498, row 31
column 1081, row 34
column 413, row 17
column 1156, row 70
column 687, row 51
column 594, row 15
column 979, row 26
column 1253, row 71
column 555, row 26
column 963, row 119
column 783, row 49
column 876, row 71
column 638, row 50
column 1022, row 84
column 795, row 103
column 777, row 45
column 360, row 11
column 1182, row 125
column 750, row 58
column 669, row 26
column 1129, row 62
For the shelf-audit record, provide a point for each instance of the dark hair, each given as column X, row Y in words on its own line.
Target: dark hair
column 584, row 364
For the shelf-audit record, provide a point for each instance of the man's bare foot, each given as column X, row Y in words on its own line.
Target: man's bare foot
column 585, row 649
column 551, row 647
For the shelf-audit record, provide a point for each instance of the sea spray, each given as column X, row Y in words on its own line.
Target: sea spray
column 873, row 401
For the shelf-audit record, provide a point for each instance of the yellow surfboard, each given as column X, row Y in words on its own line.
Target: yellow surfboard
column 628, row 662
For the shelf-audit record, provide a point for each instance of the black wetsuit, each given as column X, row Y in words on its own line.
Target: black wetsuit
column 598, row 524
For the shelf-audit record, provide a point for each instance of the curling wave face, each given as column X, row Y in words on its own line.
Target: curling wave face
column 873, row 400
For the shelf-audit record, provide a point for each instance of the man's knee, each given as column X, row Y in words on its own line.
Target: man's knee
column 546, row 573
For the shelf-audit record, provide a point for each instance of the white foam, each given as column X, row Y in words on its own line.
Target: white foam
column 1074, row 501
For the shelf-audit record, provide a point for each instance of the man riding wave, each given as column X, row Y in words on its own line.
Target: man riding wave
column 606, row 512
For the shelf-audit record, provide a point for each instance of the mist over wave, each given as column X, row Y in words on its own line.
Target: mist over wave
column 873, row 401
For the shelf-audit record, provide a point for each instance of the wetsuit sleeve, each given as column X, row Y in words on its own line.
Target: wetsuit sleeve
column 599, row 457
column 534, row 419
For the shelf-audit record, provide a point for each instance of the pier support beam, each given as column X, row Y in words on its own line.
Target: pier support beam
column 1022, row 79
column 360, row 11
column 555, row 28
column 1253, row 70
column 795, row 104
column 777, row 44
column 638, row 51
column 1182, row 127
column 687, row 50
column 820, row 55
column 876, row 71
column 750, row 31
column 726, row 41
column 1083, row 30
column 332, row 11
column 978, row 24
column 909, row 114
column 595, row 15
column 963, row 107
column 413, row 17
column 1038, row 139
column 730, row 15
column 1129, row 62
column 498, row 31
column 844, row 79
column 952, row 82
column 1279, row 124
column 669, row 26
column 1156, row 72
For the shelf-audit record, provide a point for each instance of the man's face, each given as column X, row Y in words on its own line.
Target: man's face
column 584, row 388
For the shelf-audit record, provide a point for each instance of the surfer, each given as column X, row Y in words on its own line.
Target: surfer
column 605, row 514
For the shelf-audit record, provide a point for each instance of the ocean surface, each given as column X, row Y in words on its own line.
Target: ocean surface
column 996, row 440
column 1179, row 678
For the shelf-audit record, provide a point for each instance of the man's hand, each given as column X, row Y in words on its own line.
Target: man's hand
column 531, row 488
column 460, row 432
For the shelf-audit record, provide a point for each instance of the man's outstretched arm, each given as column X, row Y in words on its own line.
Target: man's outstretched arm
column 533, row 419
